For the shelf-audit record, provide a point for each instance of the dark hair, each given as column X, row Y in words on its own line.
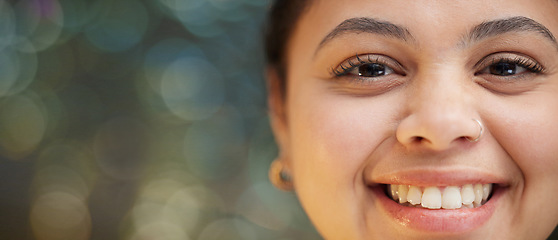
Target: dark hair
column 281, row 22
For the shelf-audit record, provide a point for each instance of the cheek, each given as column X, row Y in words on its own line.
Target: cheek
column 528, row 131
column 530, row 136
column 334, row 135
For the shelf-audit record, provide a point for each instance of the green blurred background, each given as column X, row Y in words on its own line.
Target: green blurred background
column 139, row 120
column 130, row 119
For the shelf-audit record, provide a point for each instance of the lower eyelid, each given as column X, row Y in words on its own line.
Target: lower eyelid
column 378, row 84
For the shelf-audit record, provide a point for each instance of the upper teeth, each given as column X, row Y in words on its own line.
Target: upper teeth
column 450, row 197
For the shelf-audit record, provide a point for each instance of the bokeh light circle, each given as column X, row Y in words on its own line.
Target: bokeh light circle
column 192, row 89
column 166, row 200
column 23, row 123
column 7, row 25
column 76, row 15
column 163, row 54
column 61, row 179
column 39, row 24
column 65, row 166
column 60, row 215
column 10, row 68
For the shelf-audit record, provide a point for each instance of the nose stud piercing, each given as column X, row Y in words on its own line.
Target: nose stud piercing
column 480, row 132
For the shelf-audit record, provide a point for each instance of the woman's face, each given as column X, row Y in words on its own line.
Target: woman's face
column 388, row 92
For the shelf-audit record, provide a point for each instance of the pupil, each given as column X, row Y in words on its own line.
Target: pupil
column 371, row 70
column 503, row 69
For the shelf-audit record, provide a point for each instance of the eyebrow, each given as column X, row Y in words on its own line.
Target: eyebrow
column 508, row 25
column 367, row 25
column 482, row 31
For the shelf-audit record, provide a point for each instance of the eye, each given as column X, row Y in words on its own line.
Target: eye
column 368, row 66
column 505, row 69
column 367, row 75
column 509, row 73
column 507, row 65
column 371, row 70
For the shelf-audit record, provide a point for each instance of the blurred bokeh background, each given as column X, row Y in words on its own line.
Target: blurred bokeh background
column 140, row 120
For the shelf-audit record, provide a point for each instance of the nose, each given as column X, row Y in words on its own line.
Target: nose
column 440, row 115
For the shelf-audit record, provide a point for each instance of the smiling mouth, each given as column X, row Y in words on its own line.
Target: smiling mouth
column 446, row 197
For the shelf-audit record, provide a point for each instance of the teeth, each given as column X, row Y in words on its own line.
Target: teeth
column 414, row 196
column 431, row 198
column 478, row 193
column 450, row 197
column 467, row 194
column 467, row 206
column 486, row 189
column 394, row 191
column 403, row 190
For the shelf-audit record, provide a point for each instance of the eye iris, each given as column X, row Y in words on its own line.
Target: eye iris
column 503, row 69
column 371, row 70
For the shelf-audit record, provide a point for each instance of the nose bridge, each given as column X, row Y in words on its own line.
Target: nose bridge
column 440, row 96
column 439, row 110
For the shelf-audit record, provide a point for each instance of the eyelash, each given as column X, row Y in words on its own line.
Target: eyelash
column 348, row 65
column 524, row 62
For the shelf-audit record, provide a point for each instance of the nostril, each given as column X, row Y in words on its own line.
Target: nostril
column 438, row 131
column 464, row 138
column 419, row 139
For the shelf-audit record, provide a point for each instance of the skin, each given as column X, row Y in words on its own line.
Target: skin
column 339, row 135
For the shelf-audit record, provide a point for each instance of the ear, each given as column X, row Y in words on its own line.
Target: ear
column 277, row 103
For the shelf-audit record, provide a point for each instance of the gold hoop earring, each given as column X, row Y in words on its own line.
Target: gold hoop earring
column 280, row 178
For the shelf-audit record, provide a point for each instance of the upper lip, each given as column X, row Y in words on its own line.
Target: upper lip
column 435, row 177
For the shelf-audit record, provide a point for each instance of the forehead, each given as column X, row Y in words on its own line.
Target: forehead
column 430, row 21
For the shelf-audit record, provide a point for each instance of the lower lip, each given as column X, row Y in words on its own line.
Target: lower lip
column 439, row 220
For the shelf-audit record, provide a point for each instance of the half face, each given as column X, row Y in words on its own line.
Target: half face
column 384, row 99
